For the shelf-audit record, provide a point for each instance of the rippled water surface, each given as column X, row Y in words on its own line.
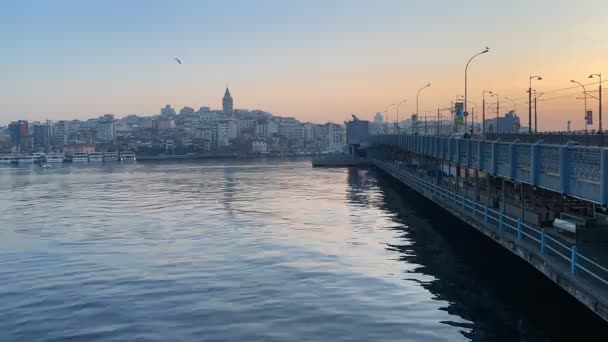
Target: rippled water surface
column 252, row 251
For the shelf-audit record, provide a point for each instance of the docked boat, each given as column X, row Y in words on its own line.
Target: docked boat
column 96, row 157
column 8, row 159
column 127, row 156
column 26, row 159
column 39, row 157
column 55, row 158
column 110, row 157
column 80, row 158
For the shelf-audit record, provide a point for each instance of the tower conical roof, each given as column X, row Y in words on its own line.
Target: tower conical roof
column 227, row 93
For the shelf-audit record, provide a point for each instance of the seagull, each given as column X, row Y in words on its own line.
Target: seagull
column 178, row 61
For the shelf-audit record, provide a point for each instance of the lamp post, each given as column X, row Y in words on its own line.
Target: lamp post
column 398, row 125
column 585, row 96
column 483, row 112
column 530, row 102
column 417, row 98
column 466, row 68
column 600, row 98
column 497, row 109
column 386, row 115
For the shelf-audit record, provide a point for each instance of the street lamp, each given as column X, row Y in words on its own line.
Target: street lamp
column 530, row 102
column 417, row 96
column 584, row 92
column 398, row 125
column 483, row 112
column 600, row 77
column 466, row 68
column 386, row 115
column 514, row 105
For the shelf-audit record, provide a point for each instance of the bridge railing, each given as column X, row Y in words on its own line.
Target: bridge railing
column 576, row 171
column 579, row 264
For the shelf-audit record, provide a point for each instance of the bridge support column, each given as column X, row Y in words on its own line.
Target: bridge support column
column 476, row 185
column 522, row 201
column 503, row 196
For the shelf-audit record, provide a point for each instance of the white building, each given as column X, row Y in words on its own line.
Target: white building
column 336, row 137
column 291, row 130
column 266, row 128
column 226, row 131
column 106, row 130
column 60, row 133
column 259, row 146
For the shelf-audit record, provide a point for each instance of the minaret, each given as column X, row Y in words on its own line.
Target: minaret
column 227, row 103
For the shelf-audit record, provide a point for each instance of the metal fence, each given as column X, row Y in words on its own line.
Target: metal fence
column 579, row 264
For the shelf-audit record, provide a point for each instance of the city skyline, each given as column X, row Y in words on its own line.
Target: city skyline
column 318, row 62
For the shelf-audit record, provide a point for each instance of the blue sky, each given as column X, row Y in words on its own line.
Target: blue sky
column 315, row 60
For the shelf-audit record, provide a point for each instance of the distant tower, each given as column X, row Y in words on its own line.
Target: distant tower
column 227, row 103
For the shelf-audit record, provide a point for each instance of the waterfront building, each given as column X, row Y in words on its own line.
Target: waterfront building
column 73, row 149
column 106, row 128
column 42, row 135
column 18, row 131
column 292, row 130
column 60, row 132
column 266, row 128
column 258, row 146
column 336, row 137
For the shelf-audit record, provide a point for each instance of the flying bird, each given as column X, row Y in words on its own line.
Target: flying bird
column 178, row 61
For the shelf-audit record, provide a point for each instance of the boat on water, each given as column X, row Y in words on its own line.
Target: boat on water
column 96, row 157
column 80, row 158
column 110, row 157
column 8, row 159
column 55, row 158
column 26, row 159
column 127, row 156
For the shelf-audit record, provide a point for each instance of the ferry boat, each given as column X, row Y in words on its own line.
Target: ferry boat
column 39, row 157
column 110, row 157
column 55, row 158
column 96, row 157
column 26, row 159
column 80, row 157
column 8, row 159
column 127, row 156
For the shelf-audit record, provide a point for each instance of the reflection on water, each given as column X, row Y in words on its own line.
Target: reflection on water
column 255, row 251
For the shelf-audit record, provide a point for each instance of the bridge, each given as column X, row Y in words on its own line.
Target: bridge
column 546, row 203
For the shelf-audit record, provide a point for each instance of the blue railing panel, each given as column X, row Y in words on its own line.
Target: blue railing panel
column 581, row 172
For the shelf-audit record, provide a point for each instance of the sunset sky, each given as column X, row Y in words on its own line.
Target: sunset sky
column 314, row 60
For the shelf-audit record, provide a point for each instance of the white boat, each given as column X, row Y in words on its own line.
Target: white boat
column 39, row 157
column 80, row 157
column 26, row 159
column 127, row 156
column 96, row 157
column 8, row 159
column 55, row 158
column 110, row 156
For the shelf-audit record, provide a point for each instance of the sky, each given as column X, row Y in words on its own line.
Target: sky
column 316, row 60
